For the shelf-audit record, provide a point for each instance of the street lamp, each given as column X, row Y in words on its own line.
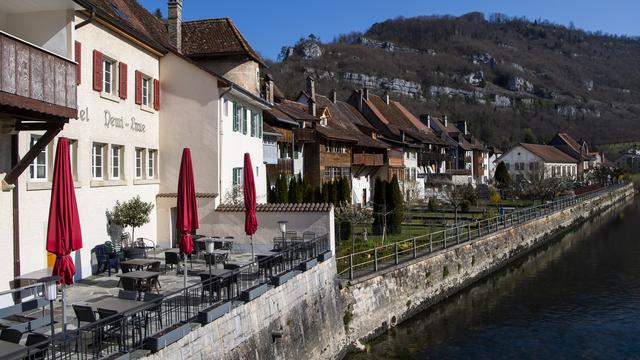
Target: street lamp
column 283, row 227
column 50, row 294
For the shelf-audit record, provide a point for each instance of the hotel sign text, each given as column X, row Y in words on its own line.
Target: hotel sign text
column 111, row 121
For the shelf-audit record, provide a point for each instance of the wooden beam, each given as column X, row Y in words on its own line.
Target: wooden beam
column 31, row 155
column 15, row 159
column 36, row 126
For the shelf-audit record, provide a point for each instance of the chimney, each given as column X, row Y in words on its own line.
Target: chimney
column 426, row 119
column 360, row 99
column 174, row 18
column 333, row 96
column 446, row 121
column 462, row 125
column 386, row 97
column 311, row 91
column 365, row 93
column 268, row 88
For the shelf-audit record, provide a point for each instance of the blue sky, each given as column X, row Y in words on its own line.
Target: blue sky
column 270, row 24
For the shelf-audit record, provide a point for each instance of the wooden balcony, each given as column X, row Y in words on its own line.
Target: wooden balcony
column 368, row 159
column 427, row 158
column 395, row 161
column 304, row 135
column 36, row 80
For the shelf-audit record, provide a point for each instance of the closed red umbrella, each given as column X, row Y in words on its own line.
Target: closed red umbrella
column 63, row 231
column 187, row 211
column 249, row 190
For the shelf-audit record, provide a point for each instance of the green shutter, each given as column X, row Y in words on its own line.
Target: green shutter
column 253, row 123
column 235, row 116
column 244, row 120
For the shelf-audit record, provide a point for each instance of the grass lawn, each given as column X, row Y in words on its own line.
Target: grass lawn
column 344, row 246
column 635, row 178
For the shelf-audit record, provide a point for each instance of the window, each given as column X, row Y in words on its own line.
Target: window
column 333, row 173
column 38, row 168
column 336, row 147
column 237, row 176
column 237, row 117
column 108, row 76
column 153, row 161
column 115, row 161
column 411, row 155
column 139, row 163
column 508, row 166
column 97, row 162
column 73, row 157
column 254, row 123
column 146, row 91
column 245, row 115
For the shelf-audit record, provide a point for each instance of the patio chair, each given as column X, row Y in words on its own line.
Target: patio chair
column 84, row 314
column 154, row 298
column 129, row 284
column 11, row 335
column 134, row 253
column 155, row 282
column 112, row 329
column 127, row 294
column 42, row 342
column 171, row 258
column 106, row 259
column 200, row 248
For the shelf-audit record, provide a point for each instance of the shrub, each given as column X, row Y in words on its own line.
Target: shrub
column 433, row 203
column 494, row 197
column 134, row 213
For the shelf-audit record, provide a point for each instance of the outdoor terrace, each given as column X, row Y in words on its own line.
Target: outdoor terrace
column 107, row 316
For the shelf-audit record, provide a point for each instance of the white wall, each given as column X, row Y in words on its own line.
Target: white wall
column 233, row 145
column 232, row 224
column 189, row 118
column 358, row 184
column 94, row 198
column 51, row 30
column 519, row 154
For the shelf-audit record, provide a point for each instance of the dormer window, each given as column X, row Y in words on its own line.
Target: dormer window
column 323, row 121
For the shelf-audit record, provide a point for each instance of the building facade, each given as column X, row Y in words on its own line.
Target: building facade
column 526, row 161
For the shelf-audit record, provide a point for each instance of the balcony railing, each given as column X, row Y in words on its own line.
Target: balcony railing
column 304, row 135
column 36, row 79
column 368, row 159
column 431, row 157
column 395, row 161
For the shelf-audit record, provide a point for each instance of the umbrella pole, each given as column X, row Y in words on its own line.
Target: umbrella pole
column 253, row 257
column 64, row 310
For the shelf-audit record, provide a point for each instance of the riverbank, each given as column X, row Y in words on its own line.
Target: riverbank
column 574, row 297
column 378, row 302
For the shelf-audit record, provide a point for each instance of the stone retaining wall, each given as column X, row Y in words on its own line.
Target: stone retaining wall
column 301, row 319
column 379, row 301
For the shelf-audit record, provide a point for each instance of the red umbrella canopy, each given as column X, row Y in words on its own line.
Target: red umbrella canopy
column 187, row 211
column 249, row 187
column 63, row 231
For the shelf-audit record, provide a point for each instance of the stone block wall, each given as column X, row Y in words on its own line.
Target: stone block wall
column 301, row 319
column 379, row 301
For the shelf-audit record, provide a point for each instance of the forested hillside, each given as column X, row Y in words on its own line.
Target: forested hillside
column 502, row 75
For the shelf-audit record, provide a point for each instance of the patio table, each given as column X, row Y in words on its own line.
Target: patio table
column 139, row 263
column 140, row 276
column 113, row 303
column 10, row 349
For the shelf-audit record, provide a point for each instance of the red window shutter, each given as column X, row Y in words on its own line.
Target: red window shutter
column 123, row 81
column 156, row 94
column 78, row 51
column 97, row 70
column 138, row 87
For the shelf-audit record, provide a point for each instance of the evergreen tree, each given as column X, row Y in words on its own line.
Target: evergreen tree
column 293, row 190
column 333, row 193
column 379, row 195
column 503, row 179
column 395, row 204
column 282, row 190
column 308, row 191
column 269, row 193
column 344, row 191
column 317, row 195
column 300, row 190
column 325, row 193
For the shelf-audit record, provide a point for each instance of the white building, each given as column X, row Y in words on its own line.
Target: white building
column 525, row 160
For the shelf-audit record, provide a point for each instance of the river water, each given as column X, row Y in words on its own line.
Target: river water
column 577, row 297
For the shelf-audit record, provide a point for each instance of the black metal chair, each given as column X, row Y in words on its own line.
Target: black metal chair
column 127, row 295
column 154, row 298
column 11, row 335
column 129, row 284
column 171, row 258
column 84, row 314
column 135, row 253
column 154, row 282
column 42, row 345
column 113, row 329
column 107, row 260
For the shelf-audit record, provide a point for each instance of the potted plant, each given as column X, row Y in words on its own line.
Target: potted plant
column 134, row 213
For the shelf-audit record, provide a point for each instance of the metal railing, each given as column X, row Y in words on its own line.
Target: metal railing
column 370, row 261
column 129, row 331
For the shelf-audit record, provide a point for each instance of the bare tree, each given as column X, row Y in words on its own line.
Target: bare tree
column 455, row 195
column 354, row 216
column 234, row 196
column 539, row 185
